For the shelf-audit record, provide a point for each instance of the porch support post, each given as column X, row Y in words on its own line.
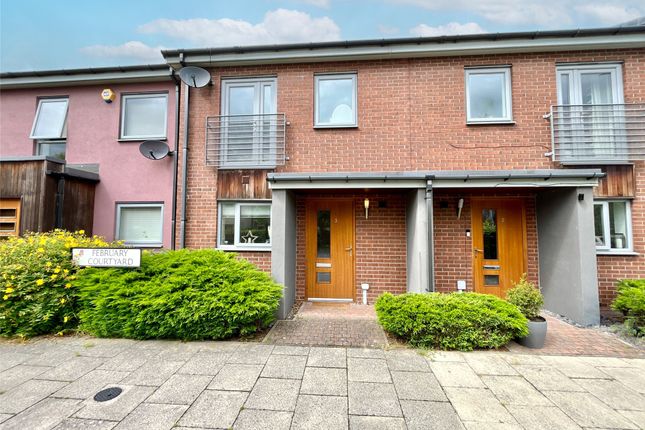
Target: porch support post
column 567, row 253
column 418, row 228
column 283, row 247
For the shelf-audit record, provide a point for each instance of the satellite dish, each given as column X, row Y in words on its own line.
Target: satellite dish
column 195, row 77
column 154, row 149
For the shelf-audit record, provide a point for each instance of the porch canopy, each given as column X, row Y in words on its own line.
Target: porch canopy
column 564, row 204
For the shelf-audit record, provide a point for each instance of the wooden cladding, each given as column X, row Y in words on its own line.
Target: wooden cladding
column 619, row 182
column 9, row 217
column 242, row 184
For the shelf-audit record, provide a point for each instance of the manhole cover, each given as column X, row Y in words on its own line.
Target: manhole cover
column 107, row 394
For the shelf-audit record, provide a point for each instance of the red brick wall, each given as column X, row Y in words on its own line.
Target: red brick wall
column 453, row 250
column 412, row 117
column 380, row 254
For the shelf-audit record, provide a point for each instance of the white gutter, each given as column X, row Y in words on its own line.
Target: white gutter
column 85, row 78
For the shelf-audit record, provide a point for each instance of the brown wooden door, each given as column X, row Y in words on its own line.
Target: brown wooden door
column 330, row 250
column 499, row 244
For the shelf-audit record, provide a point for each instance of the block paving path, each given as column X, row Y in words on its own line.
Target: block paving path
column 49, row 383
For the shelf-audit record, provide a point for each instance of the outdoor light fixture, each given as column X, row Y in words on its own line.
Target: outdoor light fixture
column 366, row 203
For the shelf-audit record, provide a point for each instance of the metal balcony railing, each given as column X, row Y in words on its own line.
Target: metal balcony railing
column 245, row 141
column 608, row 133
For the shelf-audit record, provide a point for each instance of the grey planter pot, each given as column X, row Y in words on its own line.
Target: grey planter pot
column 537, row 334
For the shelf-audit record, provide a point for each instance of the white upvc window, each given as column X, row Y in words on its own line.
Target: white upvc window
column 50, row 121
column 144, row 116
column 140, row 224
column 589, row 84
column 613, row 225
column 335, row 101
column 244, row 226
column 488, row 95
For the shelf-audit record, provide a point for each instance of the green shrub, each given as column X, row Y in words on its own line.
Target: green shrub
column 631, row 302
column 38, row 289
column 462, row 321
column 527, row 297
column 205, row 294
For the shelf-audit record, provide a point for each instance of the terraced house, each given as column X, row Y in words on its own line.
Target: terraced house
column 425, row 164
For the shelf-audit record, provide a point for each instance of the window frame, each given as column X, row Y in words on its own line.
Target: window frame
column 336, row 76
column 507, row 99
column 124, row 98
column 40, row 142
column 62, row 134
column 606, row 226
column 575, row 70
column 141, row 244
column 239, row 246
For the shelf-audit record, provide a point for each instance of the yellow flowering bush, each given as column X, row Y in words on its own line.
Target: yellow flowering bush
column 37, row 282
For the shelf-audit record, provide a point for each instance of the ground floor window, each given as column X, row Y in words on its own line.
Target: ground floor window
column 9, row 217
column 612, row 222
column 244, row 225
column 140, row 224
column 52, row 148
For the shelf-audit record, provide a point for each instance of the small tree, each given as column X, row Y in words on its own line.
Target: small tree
column 527, row 297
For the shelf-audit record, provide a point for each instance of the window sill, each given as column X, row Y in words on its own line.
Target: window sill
column 143, row 245
column 243, row 249
column 500, row 122
column 332, row 126
column 247, row 167
column 139, row 139
column 618, row 253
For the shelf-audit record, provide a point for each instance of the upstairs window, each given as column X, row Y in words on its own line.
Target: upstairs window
column 51, row 119
column 488, row 95
column 612, row 223
column 144, row 116
column 245, row 226
column 335, row 101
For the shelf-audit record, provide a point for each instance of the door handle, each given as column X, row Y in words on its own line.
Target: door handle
column 477, row 250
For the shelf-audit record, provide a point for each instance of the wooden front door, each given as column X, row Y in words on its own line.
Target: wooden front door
column 499, row 244
column 330, row 251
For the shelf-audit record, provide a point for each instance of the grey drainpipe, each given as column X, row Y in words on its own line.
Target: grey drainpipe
column 430, row 210
column 184, row 167
column 173, row 227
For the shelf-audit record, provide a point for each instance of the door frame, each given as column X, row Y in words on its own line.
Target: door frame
column 308, row 201
column 525, row 259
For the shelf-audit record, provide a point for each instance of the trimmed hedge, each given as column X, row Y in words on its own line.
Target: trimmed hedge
column 185, row 294
column 462, row 321
column 38, row 286
column 631, row 302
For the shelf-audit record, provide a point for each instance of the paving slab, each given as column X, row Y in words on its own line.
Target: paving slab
column 452, row 374
column 637, row 417
column 251, row 354
column 445, row 356
column 117, row 408
column 255, row 419
column 368, row 398
column 290, row 350
column 108, row 348
column 357, row 422
column 542, row 418
column 152, row 416
column 214, row 409
column 519, row 359
column 430, row 415
column 515, row 390
column 153, row 373
column 324, row 381
column 80, row 424
column 19, row 374
column 5, row 417
column 56, row 356
column 236, row 377
column 544, row 378
column 327, row 357
column 43, row 415
column 489, row 364
column 406, row 360
column 90, row 384
column 320, row 412
column 587, row 411
column 180, row 389
column 365, row 353
column 632, row 377
column 607, row 361
column 12, row 358
column 473, row 425
column 129, row 360
column 204, row 363
column 285, row 366
column 418, row 386
column 615, row 394
column 367, row 370
column 574, row 367
column 274, row 394
column 72, row 369
column 28, row 394
column 478, row 404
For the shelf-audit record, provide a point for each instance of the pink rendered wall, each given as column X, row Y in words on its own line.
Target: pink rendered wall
column 92, row 138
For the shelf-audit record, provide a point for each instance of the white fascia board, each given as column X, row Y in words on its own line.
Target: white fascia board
column 433, row 49
column 347, row 185
column 85, row 79
column 514, row 183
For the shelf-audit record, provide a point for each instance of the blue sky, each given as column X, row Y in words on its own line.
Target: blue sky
column 53, row 34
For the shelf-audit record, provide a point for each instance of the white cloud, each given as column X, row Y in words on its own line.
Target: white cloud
column 447, row 29
column 542, row 13
column 278, row 26
column 387, row 30
column 131, row 50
